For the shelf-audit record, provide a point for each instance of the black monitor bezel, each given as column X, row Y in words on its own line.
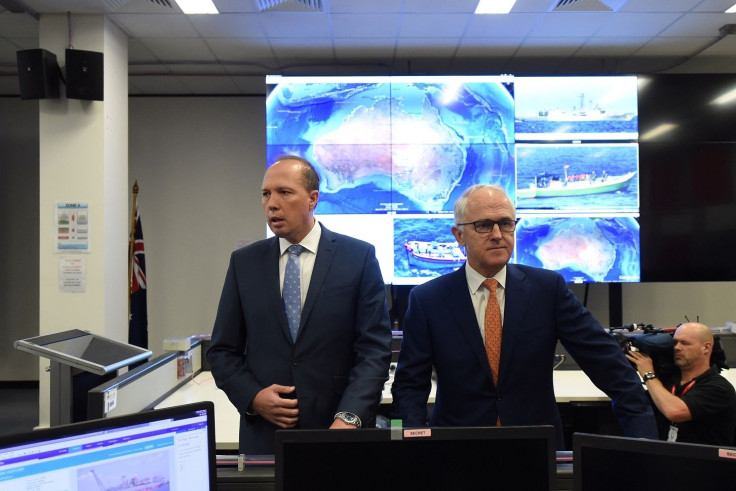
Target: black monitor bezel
column 501, row 434
column 644, row 452
column 81, row 428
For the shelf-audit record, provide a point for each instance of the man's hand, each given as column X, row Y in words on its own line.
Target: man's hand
column 269, row 404
column 642, row 361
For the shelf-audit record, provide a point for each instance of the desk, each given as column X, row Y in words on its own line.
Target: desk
column 570, row 386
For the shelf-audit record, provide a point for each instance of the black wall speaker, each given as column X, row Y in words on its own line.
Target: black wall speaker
column 84, row 75
column 38, row 74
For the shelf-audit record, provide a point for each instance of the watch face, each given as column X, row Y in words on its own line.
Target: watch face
column 350, row 419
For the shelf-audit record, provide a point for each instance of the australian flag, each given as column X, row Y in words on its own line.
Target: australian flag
column 138, row 323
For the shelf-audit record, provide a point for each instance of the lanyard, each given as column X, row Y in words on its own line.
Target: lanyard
column 687, row 387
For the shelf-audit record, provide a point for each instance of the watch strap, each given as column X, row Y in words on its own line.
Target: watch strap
column 349, row 418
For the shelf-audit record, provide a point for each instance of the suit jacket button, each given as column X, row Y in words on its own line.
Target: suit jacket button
column 295, row 362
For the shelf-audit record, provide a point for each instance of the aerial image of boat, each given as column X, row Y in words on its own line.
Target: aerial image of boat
column 553, row 186
column 433, row 254
column 593, row 112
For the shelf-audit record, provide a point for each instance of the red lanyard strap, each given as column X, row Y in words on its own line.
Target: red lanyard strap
column 687, row 387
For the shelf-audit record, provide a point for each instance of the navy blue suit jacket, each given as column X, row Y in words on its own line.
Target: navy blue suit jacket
column 341, row 356
column 441, row 330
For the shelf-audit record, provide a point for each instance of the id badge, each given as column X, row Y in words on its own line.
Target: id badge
column 672, row 434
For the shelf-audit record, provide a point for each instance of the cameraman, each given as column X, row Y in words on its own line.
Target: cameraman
column 695, row 404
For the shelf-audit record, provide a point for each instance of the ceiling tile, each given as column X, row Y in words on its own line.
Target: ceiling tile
column 512, row 25
column 184, row 49
column 365, row 25
column 289, row 50
column 228, row 25
column 236, row 6
column 422, row 48
column 440, row 6
column 295, row 25
column 139, row 52
column 363, row 6
column 550, row 47
column 567, row 24
column 491, row 48
column 636, row 25
column 696, row 25
column 232, row 49
column 433, row 25
column 155, row 25
column 673, row 46
column 659, row 5
column 391, row 36
column 615, row 46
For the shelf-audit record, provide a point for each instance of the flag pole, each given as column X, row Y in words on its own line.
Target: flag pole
column 131, row 242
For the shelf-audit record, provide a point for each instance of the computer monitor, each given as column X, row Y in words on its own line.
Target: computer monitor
column 508, row 457
column 614, row 463
column 172, row 448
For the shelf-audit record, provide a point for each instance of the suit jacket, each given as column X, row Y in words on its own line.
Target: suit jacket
column 441, row 330
column 341, row 356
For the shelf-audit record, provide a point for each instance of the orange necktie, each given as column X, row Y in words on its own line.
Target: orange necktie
column 492, row 327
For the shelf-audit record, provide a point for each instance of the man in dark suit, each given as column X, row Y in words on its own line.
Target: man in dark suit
column 329, row 369
column 444, row 329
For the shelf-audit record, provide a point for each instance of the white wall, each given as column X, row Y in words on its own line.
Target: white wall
column 199, row 164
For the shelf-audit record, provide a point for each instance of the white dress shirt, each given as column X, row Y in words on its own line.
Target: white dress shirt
column 306, row 259
column 479, row 294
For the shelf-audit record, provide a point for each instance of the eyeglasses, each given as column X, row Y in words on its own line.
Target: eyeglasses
column 505, row 225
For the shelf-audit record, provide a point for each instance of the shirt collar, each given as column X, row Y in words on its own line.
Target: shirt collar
column 310, row 242
column 475, row 279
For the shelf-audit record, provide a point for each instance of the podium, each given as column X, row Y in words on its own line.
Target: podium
column 80, row 361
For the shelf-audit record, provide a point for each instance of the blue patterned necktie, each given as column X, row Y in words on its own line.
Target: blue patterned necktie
column 292, row 291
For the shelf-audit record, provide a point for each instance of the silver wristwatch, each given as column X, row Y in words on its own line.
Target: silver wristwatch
column 349, row 418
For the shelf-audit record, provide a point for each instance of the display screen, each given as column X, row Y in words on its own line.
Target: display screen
column 688, row 177
column 171, row 448
column 508, row 457
column 395, row 153
column 611, row 463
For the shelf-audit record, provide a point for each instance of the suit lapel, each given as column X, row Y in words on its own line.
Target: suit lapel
column 272, row 285
column 325, row 254
column 461, row 307
column 518, row 296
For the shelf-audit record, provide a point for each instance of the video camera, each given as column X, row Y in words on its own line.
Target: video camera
column 659, row 345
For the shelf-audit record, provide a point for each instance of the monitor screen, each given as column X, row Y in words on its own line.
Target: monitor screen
column 611, row 463
column 429, row 458
column 395, row 153
column 688, row 177
column 172, row 448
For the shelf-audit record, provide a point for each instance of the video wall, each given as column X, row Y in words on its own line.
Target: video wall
column 394, row 153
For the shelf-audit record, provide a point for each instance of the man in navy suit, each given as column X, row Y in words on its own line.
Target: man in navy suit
column 443, row 328
column 332, row 373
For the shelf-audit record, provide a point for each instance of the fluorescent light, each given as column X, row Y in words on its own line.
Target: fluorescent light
column 197, row 6
column 726, row 98
column 731, row 9
column 658, row 131
column 494, row 6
